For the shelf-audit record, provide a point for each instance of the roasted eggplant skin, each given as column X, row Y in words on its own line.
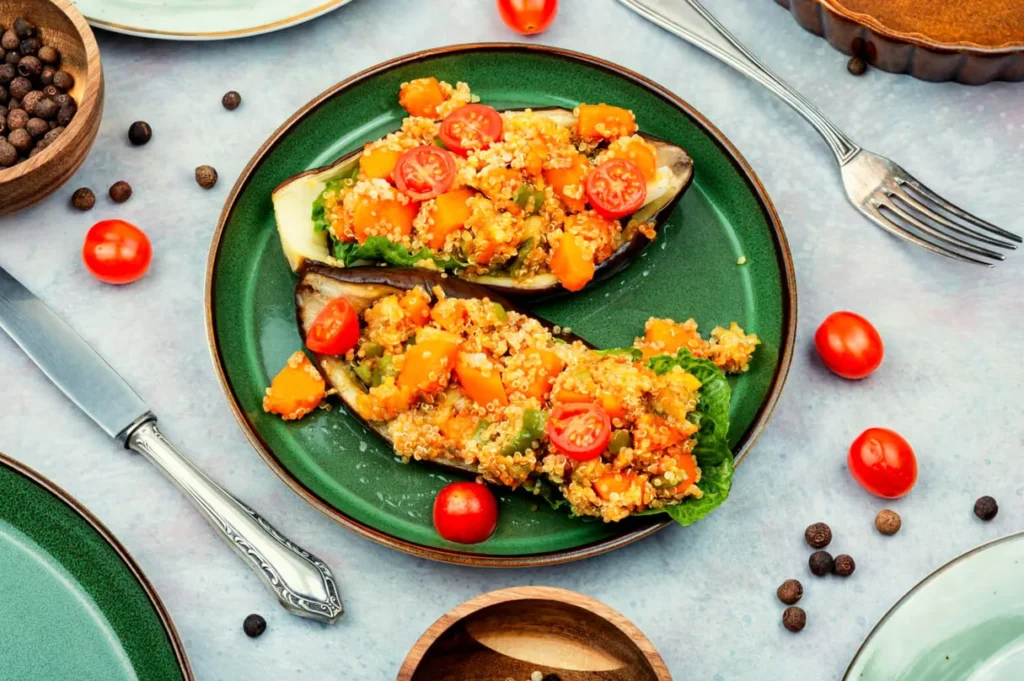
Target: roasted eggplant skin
column 297, row 194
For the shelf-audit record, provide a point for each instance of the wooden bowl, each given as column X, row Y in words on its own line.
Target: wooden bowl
column 512, row 633
column 62, row 26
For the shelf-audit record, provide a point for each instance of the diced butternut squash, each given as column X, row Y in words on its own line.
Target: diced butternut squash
column 458, row 428
column 428, row 364
column 449, row 314
column 378, row 163
column 539, row 367
column 499, row 183
column 481, row 380
column 384, row 217
column 571, row 397
column 568, row 183
column 613, row 483
column 416, row 306
column 687, row 464
column 296, row 391
column 612, row 405
column 666, row 337
column 450, row 213
column 655, row 433
column 601, row 121
column 573, row 268
column 638, row 151
column 421, row 97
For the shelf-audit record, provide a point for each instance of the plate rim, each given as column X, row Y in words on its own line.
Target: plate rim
column 31, row 474
column 764, row 413
column 934, row 574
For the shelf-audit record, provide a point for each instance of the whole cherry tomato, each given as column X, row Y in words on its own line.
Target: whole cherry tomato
column 116, row 252
column 849, row 345
column 465, row 512
column 335, row 330
column 883, row 463
column 528, row 16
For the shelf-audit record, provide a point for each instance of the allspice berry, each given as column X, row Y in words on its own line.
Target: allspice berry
column 48, row 55
column 986, row 508
column 844, row 565
column 231, row 100
column 83, row 199
column 790, row 591
column 8, row 154
column 20, row 140
column 46, row 109
column 120, row 191
column 888, row 522
column 254, row 625
column 818, row 535
column 139, row 133
column 206, row 177
column 856, row 66
column 821, row 563
column 794, row 618
column 37, row 127
column 63, row 80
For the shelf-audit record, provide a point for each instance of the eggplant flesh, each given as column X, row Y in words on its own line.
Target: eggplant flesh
column 302, row 245
column 364, row 286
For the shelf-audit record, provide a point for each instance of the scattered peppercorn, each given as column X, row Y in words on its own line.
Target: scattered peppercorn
column 986, row 508
column 794, row 618
column 120, row 191
column 790, row 591
column 856, row 66
column 83, row 199
column 818, row 535
column 206, row 176
column 139, row 133
column 888, row 522
column 254, row 626
column 820, row 563
column 231, row 100
column 844, row 565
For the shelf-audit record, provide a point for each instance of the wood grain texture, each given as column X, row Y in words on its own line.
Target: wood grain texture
column 515, row 632
column 63, row 27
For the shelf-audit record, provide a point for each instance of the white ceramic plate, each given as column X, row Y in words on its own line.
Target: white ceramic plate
column 201, row 19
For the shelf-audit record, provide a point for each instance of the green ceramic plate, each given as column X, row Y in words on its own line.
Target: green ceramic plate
column 965, row 622
column 73, row 603
column 691, row 270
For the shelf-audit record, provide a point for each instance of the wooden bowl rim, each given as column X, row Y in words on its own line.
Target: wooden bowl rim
column 90, row 97
column 523, row 593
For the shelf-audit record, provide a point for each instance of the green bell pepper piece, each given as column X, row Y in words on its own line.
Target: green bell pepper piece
column 532, row 431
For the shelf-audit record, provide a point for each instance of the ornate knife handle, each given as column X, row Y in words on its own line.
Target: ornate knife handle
column 301, row 581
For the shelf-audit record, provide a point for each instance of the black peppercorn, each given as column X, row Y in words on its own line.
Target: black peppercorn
column 888, row 522
column 83, row 199
column 30, row 66
column 8, row 154
column 254, row 626
column 844, row 565
column 10, row 40
column 22, row 28
column 37, row 127
column 12, row 58
column 856, row 66
column 820, row 563
column 7, row 73
column 63, row 80
column 29, row 101
column 48, row 55
column 139, row 133
column 46, row 109
column 206, row 176
column 20, row 87
column 794, row 618
column 66, row 113
column 818, row 535
column 30, row 46
column 20, row 140
column 17, row 119
column 790, row 591
column 46, row 76
column 231, row 100
column 986, row 508
column 120, row 191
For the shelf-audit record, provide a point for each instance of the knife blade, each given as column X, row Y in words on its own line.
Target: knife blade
column 303, row 583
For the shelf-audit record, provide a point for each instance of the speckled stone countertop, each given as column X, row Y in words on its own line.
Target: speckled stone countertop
column 952, row 381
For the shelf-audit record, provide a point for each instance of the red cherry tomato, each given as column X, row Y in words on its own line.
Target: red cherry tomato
column 580, row 430
column 883, row 463
column 528, row 16
column 616, row 188
column 472, row 127
column 465, row 512
column 849, row 345
column 335, row 330
column 117, row 252
column 424, row 172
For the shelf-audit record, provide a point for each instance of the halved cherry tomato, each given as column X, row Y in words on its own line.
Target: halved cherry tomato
column 616, row 188
column 335, row 330
column 465, row 512
column 579, row 430
column 117, row 252
column 849, row 345
column 470, row 128
column 424, row 172
column 528, row 16
column 883, row 463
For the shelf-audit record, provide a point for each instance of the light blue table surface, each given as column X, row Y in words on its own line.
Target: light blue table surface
column 952, row 382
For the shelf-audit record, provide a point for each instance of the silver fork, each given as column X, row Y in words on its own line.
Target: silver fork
column 884, row 192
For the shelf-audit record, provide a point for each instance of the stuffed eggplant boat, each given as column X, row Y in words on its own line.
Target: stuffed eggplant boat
column 448, row 373
column 522, row 201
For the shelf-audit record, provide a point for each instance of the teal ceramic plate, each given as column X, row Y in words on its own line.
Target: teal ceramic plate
column 192, row 20
column 965, row 622
column 73, row 603
column 691, row 270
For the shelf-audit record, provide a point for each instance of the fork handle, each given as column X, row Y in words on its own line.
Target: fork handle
column 690, row 21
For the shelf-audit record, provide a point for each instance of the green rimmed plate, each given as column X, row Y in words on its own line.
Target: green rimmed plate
column 691, row 270
column 73, row 603
column 972, row 609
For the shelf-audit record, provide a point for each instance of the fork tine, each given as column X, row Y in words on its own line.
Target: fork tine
column 876, row 216
column 913, row 203
column 931, row 231
column 958, row 211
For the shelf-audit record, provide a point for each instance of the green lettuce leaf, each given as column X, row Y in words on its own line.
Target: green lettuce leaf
column 345, row 178
column 382, row 249
column 635, row 354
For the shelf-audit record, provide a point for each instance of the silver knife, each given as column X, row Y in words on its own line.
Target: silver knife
column 303, row 583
